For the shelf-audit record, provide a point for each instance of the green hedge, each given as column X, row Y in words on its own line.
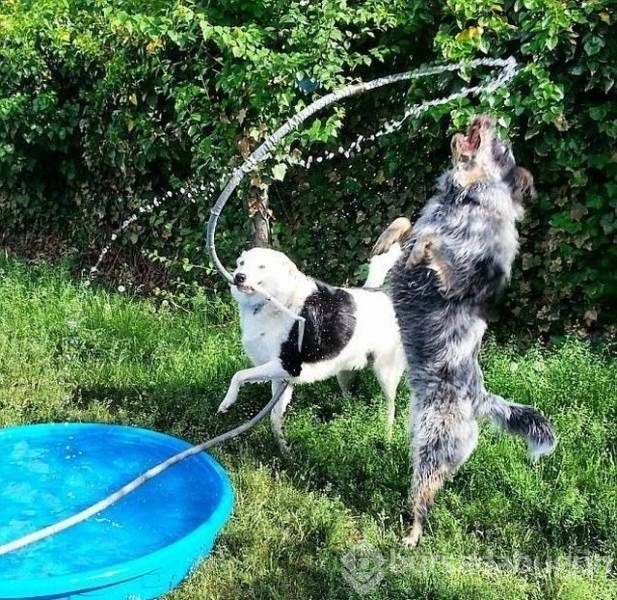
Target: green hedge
column 105, row 103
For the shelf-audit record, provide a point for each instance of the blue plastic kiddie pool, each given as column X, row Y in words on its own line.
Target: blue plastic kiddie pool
column 139, row 548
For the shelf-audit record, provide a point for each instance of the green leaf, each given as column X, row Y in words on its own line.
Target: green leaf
column 278, row 171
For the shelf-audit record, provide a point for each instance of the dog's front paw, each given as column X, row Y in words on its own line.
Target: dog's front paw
column 228, row 401
column 414, row 259
column 419, row 253
column 444, row 288
column 447, row 289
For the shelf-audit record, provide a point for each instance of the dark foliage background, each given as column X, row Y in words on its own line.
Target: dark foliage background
column 105, row 104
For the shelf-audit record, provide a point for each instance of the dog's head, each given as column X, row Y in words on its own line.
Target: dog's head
column 267, row 269
column 480, row 155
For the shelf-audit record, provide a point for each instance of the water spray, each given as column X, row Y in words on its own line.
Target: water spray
column 263, row 152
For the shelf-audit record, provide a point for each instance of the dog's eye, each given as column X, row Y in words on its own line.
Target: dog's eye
column 240, row 263
column 262, row 266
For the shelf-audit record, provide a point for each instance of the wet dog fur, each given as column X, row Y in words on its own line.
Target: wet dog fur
column 457, row 260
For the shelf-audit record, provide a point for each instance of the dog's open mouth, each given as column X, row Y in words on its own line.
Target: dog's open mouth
column 245, row 289
column 465, row 145
column 479, row 126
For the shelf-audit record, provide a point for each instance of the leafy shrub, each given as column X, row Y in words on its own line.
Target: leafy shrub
column 106, row 103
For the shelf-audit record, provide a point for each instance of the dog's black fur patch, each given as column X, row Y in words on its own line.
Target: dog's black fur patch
column 330, row 315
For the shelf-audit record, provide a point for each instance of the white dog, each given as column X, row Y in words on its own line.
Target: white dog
column 346, row 329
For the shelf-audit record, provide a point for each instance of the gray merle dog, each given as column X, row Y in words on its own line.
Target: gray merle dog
column 457, row 259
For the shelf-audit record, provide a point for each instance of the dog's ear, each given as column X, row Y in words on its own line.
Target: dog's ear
column 290, row 267
column 520, row 181
column 458, row 145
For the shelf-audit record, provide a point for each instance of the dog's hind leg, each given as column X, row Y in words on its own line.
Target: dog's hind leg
column 389, row 370
column 444, row 436
column 270, row 371
column 278, row 412
column 345, row 379
column 426, row 484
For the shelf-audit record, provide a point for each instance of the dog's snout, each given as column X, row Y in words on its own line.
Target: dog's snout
column 239, row 278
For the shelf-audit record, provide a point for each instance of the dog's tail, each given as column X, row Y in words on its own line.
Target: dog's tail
column 524, row 421
column 386, row 251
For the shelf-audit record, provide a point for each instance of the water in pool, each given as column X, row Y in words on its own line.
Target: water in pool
column 45, row 480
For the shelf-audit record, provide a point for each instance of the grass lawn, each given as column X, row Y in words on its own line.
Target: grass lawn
column 72, row 353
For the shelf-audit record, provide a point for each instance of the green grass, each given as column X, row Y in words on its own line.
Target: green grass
column 72, row 353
